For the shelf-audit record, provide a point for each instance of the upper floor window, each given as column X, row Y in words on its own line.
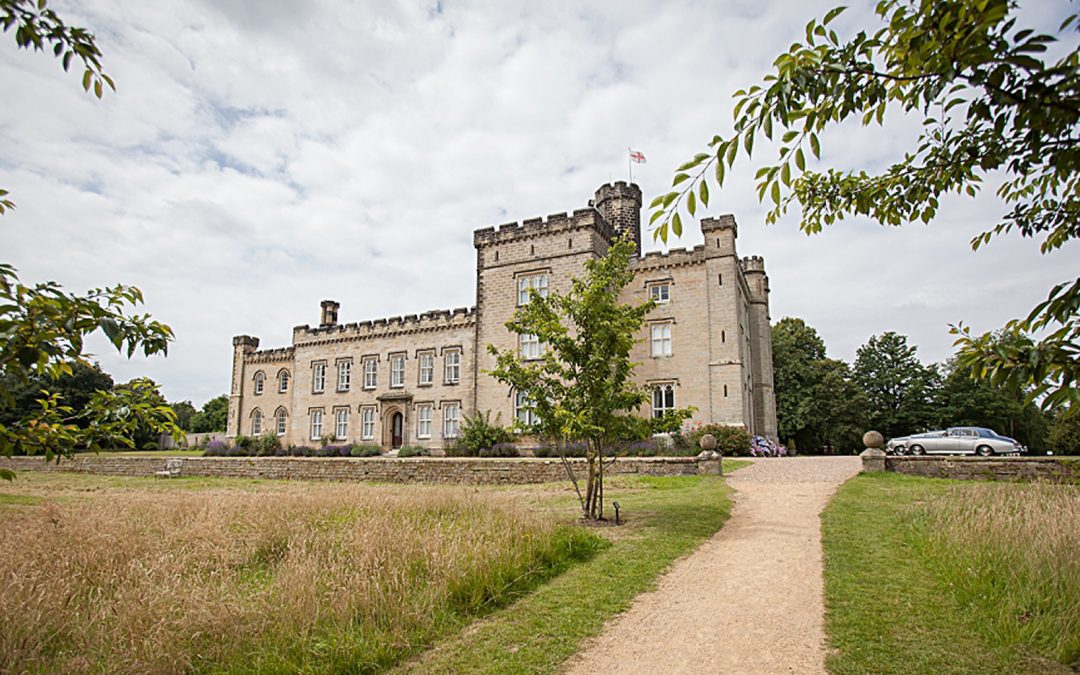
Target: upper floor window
column 452, row 358
column 661, row 339
column 367, row 424
column 316, row 424
column 660, row 293
column 423, row 421
column 524, row 409
column 532, row 282
column 344, row 375
column 318, row 377
column 283, row 381
column 256, row 423
column 451, row 420
column 341, row 423
column 663, row 399
column 427, row 368
column 530, row 346
column 260, row 382
column 371, row 372
column 281, row 418
column 397, row 370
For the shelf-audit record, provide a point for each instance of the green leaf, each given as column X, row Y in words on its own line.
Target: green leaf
column 691, row 203
column 703, row 192
column 832, row 14
column 800, row 160
column 86, row 80
column 748, row 142
column 679, row 177
column 815, row 146
column 776, row 192
column 676, row 225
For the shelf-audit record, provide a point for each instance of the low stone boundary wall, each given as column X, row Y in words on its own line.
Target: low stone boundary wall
column 1054, row 469
column 389, row 470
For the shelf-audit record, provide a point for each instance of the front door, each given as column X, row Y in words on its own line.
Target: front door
column 396, row 425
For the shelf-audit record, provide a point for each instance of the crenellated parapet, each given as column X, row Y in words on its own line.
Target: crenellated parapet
column 721, row 222
column 753, row 264
column 279, row 355
column 430, row 321
column 555, row 223
column 678, row 257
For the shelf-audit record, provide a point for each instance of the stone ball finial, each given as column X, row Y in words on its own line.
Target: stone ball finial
column 708, row 442
column 873, row 439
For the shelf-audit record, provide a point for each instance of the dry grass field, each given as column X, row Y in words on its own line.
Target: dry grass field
column 122, row 575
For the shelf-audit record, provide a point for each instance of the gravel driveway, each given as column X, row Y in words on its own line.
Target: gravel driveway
column 749, row 600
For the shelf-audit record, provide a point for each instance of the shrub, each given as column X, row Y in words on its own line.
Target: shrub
column 267, row 444
column 302, row 451
column 730, row 440
column 763, row 447
column 243, row 441
column 413, row 451
column 478, row 433
column 333, row 450
column 282, row 451
column 573, row 449
column 216, row 448
column 236, row 451
column 366, row 450
column 500, row 450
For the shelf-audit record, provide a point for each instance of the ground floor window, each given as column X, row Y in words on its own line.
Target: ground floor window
column 282, row 418
column 367, row 424
column 316, row 424
column 524, row 409
column 341, row 424
column 451, row 420
column 423, row 421
column 663, row 399
column 256, row 423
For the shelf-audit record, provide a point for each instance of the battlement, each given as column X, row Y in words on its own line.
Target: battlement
column 433, row 320
column 721, row 222
column 277, row 355
column 554, row 223
column 754, row 263
column 670, row 258
column 246, row 341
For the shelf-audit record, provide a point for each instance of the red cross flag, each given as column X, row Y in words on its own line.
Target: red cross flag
column 637, row 156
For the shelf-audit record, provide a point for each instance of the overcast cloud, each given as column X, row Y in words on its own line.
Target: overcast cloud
column 260, row 156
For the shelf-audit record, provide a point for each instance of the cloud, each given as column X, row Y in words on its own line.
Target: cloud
column 259, row 157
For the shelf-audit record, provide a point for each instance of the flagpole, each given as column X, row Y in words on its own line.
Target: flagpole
column 629, row 165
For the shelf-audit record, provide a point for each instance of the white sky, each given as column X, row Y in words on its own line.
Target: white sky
column 260, row 156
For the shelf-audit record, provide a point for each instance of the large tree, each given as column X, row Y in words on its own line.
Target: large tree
column 899, row 388
column 212, row 417
column 992, row 108
column 582, row 389
column 817, row 404
column 42, row 327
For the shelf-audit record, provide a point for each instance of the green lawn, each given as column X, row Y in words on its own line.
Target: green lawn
column 909, row 590
column 665, row 518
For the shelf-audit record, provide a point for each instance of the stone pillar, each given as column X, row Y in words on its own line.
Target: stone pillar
column 873, row 457
column 709, row 461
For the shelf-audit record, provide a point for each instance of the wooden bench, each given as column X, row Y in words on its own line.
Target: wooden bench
column 173, row 465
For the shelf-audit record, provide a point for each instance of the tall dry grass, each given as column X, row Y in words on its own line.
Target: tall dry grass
column 1012, row 553
column 316, row 578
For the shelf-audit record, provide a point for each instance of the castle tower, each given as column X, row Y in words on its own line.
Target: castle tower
column 760, row 331
column 620, row 205
column 243, row 345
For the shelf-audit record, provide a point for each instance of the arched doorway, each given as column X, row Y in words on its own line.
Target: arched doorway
column 397, row 430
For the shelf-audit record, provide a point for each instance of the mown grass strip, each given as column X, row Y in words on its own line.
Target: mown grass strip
column 667, row 518
column 892, row 601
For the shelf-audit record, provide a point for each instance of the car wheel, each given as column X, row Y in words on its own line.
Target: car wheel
column 918, row 450
column 984, row 451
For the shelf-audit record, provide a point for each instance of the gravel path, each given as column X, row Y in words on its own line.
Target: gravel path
column 749, row 600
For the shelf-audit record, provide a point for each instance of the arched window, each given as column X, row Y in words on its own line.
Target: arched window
column 260, row 381
column 256, row 422
column 281, row 420
column 283, row 381
column 663, row 399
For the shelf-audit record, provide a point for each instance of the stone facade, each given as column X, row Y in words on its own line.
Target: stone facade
column 412, row 379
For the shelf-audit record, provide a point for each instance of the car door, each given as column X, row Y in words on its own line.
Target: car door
column 946, row 444
column 967, row 441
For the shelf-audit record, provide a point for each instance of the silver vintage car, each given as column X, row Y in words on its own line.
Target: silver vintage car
column 955, row 441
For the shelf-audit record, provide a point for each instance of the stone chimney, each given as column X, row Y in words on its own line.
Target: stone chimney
column 329, row 313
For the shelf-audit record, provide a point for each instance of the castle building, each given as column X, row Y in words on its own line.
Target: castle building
column 410, row 380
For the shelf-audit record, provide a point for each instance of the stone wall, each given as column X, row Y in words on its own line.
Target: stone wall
column 1055, row 469
column 391, row 470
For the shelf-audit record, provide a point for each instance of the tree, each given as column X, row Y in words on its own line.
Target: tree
column 1064, row 436
column 817, row 403
column 582, row 390
column 75, row 389
column 184, row 412
column 990, row 105
column 899, row 389
column 213, row 416
column 42, row 327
